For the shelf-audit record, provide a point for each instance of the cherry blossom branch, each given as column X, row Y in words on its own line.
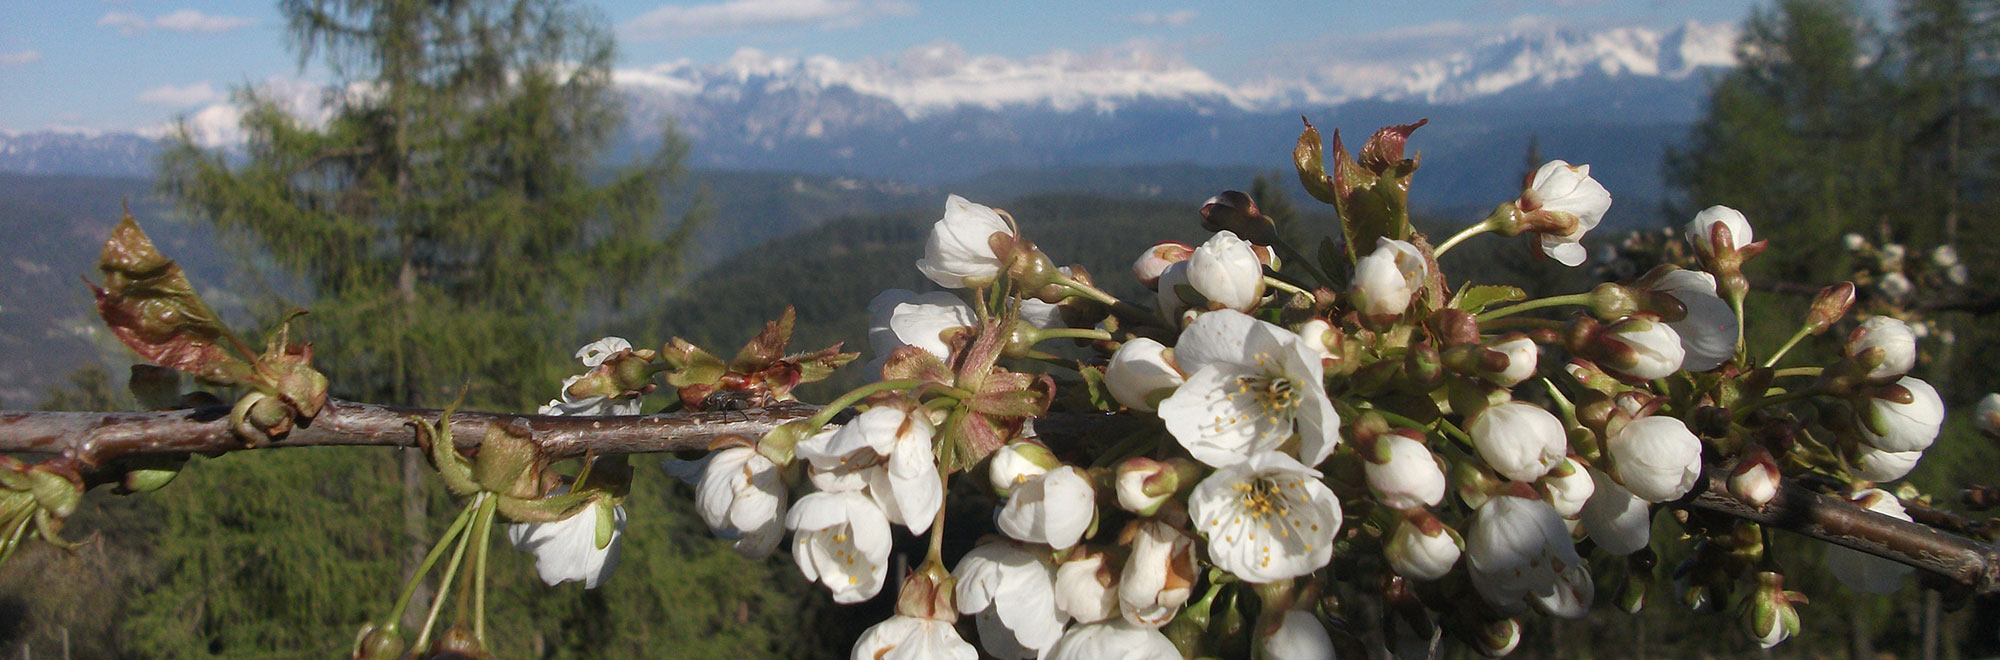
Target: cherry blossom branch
column 95, row 439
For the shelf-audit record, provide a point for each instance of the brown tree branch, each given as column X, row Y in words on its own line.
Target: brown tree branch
column 93, row 439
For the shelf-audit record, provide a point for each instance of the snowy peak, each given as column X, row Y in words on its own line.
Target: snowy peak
column 1546, row 58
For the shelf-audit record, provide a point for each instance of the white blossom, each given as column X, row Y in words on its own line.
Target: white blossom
column 1115, row 639
column 959, row 253
column 1250, row 387
column 1054, row 508
column 1011, row 593
column 1519, row 440
column 1986, row 418
column 1517, row 550
column 594, row 353
column 920, row 321
column 566, row 550
column 1226, row 272
column 907, row 486
column 1865, row 572
column 1698, row 229
column 1086, row 590
column 1892, row 425
column 1655, row 348
column 1266, row 519
column 1877, row 465
column 1558, row 187
column 1139, row 372
column 742, row 496
column 841, row 539
column 1420, row 553
column 1708, row 332
column 1620, row 523
column 1522, row 354
column 1299, row 636
column 1154, row 262
column 1403, row 474
column 1896, row 286
column 1016, row 462
column 913, row 638
column 1656, row 458
column 1895, row 342
column 1386, row 279
column 1159, row 574
column 1567, row 487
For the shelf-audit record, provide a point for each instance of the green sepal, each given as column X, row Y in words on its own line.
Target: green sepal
column 1473, row 300
column 451, row 466
column 546, row 509
column 508, row 463
column 607, row 523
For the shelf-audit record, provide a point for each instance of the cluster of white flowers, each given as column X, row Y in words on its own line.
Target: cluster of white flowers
column 576, row 548
column 1284, row 427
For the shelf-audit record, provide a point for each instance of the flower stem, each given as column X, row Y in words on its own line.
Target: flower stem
column 485, row 536
column 1782, row 350
column 423, row 569
column 1538, row 303
column 1798, row 371
column 1287, row 287
column 854, row 396
column 1510, row 324
column 936, row 555
column 1093, row 334
column 1481, row 227
column 444, row 585
column 1124, row 310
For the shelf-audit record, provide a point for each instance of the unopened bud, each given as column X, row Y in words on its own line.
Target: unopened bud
column 1829, row 307
column 1756, row 477
column 1156, row 259
column 379, row 642
column 1987, row 417
column 1497, row 638
column 1767, row 614
column 508, row 463
column 1237, row 212
column 927, row 594
column 1016, row 462
column 1144, row 484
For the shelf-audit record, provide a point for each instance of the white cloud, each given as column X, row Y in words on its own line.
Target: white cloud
column 181, row 96
column 20, row 58
column 734, row 16
column 185, row 20
column 1176, row 18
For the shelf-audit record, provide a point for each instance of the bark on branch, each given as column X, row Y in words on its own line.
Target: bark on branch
column 1964, row 565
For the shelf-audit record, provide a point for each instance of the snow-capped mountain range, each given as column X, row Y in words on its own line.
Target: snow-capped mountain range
column 936, row 112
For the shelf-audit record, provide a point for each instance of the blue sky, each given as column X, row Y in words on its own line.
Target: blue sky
column 126, row 64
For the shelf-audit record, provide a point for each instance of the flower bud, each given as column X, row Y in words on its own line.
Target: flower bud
column 1756, row 477
column 959, row 253
column 1708, row 242
column 383, row 642
column 1226, row 272
column 1767, row 613
column 1877, row 465
column 1641, row 347
column 1144, row 484
column 1386, row 279
column 1159, row 575
column 1423, row 547
column 1656, row 458
column 1987, row 417
column 1620, row 523
column 1402, row 473
column 1055, row 508
column 1320, row 338
column 1854, row 242
column 1566, row 487
column 1017, row 462
column 1233, row 211
column 1708, row 330
column 1300, row 636
column 1474, row 484
column 1895, row 286
column 1904, row 416
column 1519, row 440
column 1086, row 587
column 1829, row 307
column 1562, row 203
column 1498, row 638
column 1885, row 345
column 1521, row 354
column 1155, row 261
column 1142, row 373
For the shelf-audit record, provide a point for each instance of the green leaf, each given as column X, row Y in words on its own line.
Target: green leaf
column 1096, row 390
column 150, row 305
column 1476, row 299
column 767, row 347
column 1312, row 166
column 688, row 365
